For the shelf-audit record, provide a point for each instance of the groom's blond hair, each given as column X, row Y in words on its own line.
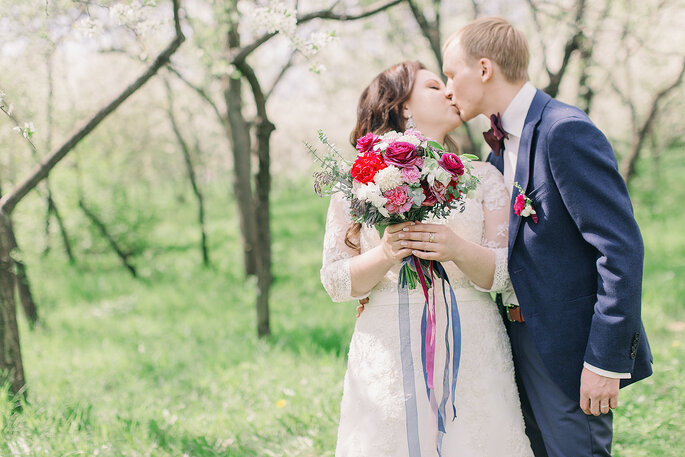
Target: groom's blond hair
column 496, row 39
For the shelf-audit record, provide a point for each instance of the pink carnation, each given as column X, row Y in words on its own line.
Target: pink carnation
column 412, row 175
column 399, row 200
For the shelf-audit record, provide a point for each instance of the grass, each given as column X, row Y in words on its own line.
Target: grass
column 170, row 365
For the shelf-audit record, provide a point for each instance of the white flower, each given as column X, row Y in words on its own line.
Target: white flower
column 372, row 193
column 389, row 178
column 434, row 172
column 317, row 68
column 526, row 211
column 410, row 139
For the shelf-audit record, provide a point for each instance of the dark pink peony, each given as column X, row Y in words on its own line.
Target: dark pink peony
column 367, row 142
column 401, row 154
column 452, row 163
column 399, row 200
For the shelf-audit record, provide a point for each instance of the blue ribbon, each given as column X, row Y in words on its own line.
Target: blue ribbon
column 412, row 416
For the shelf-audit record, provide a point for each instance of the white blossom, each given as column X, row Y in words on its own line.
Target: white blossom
column 278, row 18
column 88, row 27
column 134, row 15
column 389, row 178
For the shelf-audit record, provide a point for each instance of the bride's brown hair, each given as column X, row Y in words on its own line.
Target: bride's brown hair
column 380, row 111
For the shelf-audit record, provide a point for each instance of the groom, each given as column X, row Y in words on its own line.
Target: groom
column 575, row 250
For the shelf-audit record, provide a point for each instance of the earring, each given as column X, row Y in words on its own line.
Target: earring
column 410, row 124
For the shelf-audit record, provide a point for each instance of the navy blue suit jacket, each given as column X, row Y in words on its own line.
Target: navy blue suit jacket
column 577, row 273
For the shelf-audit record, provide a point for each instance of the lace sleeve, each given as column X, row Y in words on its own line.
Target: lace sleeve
column 496, row 223
column 335, row 271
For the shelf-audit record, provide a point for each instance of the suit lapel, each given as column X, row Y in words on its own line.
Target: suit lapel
column 522, row 173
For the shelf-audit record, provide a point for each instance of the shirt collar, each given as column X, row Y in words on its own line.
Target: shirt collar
column 515, row 115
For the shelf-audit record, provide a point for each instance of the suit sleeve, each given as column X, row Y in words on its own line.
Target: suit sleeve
column 585, row 171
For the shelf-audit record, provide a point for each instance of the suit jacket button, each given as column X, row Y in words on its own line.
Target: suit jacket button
column 632, row 355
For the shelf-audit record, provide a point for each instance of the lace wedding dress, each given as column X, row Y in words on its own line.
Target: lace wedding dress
column 375, row 420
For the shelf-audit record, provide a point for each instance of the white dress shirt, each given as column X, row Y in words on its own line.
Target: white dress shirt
column 513, row 120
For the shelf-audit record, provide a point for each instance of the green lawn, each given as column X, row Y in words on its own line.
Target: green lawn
column 170, row 365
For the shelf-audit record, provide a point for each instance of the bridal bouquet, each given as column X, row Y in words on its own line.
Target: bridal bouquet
column 400, row 177
column 396, row 177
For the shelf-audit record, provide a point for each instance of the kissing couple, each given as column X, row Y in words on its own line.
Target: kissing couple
column 550, row 230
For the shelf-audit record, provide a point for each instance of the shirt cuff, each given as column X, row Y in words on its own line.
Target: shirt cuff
column 605, row 373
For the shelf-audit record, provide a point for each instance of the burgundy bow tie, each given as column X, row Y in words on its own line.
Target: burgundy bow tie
column 496, row 135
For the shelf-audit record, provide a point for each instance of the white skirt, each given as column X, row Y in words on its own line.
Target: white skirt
column 377, row 416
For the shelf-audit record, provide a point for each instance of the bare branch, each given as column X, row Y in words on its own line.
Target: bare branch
column 538, row 29
column 284, row 70
column 200, row 91
column 628, row 166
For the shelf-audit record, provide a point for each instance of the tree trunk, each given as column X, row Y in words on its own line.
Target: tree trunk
column 263, row 188
column 242, row 168
column 11, row 368
column 264, row 279
column 22, row 281
column 191, row 176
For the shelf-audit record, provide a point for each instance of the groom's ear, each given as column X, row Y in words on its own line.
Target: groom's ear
column 486, row 67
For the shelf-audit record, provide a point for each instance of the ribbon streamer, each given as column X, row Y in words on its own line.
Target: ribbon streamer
column 428, row 339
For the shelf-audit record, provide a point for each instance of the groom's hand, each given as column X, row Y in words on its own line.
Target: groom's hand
column 598, row 394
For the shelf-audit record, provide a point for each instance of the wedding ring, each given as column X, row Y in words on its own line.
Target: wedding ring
column 431, row 237
column 604, row 406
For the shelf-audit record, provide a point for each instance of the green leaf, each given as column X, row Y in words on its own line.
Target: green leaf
column 436, row 145
column 469, row 156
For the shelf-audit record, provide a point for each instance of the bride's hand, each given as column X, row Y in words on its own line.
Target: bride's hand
column 430, row 241
column 391, row 243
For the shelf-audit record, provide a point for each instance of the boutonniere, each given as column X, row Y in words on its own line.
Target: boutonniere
column 523, row 206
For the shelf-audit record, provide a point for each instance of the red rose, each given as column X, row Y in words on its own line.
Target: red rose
column 401, row 154
column 366, row 166
column 519, row 204
column 452, row 163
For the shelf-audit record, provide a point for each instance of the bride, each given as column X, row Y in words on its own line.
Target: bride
column 385, row 409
